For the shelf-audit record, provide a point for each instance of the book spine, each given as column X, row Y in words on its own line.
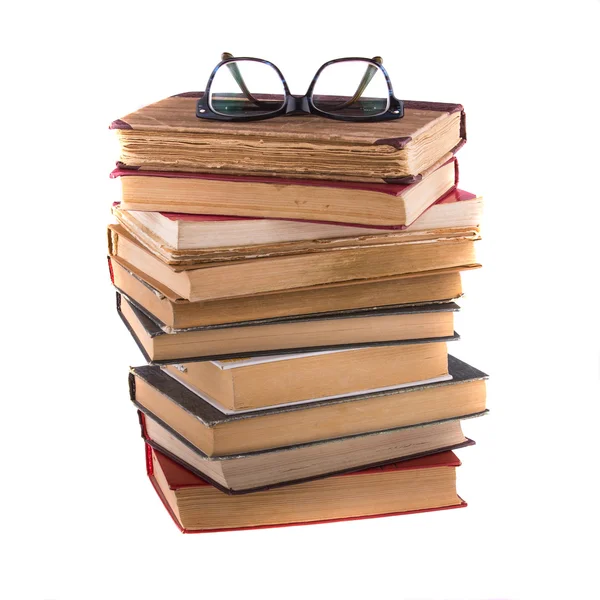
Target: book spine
column 142, row 421
column 110, row 271
column 149, row 465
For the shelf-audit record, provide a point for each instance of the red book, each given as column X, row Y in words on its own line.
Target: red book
column 418, row 485
column 390, row 205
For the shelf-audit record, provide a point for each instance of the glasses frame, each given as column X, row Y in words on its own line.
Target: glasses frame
column 298, row 105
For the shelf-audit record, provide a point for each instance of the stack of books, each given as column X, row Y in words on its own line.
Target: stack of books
column 291, row 285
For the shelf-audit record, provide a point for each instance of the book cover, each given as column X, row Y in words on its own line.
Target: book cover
column 456, row 195
column 293, row 453
column 172, row 310
column 205, row 412
column 241, row 181
column 196, row 281
column 314, row 202
column 152, row 328
column 177, row 478
column 397, row 151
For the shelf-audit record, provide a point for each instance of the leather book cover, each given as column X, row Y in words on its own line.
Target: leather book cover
column 210, row 416
column 178, row 477
column 153, row 329
column 376, row 142
column 143, row 412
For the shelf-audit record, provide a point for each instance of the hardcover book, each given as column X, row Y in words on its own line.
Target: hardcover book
column 167, row 136
column 253, row 471
column 181, row 233
column 167, row 308
column 376, row 204
column 209, row 281
column 418, row 485
column 408, row 325
column 356, row 237
column 217, row 433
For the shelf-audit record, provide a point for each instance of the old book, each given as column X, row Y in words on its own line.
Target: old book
column 356, row 238
column 423, row 484
column 191, row 259
column 207, row 281
column 166, row 307
column 244, row 384
column 216, row 433
column 178, row 232
column 252, row 471
column 393, row 205
column 301, row 334
column 167, row 136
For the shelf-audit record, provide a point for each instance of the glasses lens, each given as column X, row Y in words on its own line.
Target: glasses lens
column 246, row 88
column 352, row 88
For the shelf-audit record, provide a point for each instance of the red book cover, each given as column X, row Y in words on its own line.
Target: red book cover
column 178, row 477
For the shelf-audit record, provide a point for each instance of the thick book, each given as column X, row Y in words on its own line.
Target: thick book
column 356, row 238
column 167, row 136
column 253, row 471
column 390, row 205
column 419, row 485
column 407, row 325
column 166, row 307
column 217, row 433
column 179, row 232
column 231, row 278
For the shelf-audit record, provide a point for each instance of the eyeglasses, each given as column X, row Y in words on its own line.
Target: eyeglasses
column 347, row 89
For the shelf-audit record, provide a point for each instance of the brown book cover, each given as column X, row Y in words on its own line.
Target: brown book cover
column 167, row 136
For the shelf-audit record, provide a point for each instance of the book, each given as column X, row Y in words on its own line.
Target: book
column 243, row 384
column 216, row 433
column 166, row 307
column 208, row 281
column 195, row 258
column 300, row 334
column 384, row 204
column 249, row 472
column 423, row 484
column 167, row 136
column 146, row 238
column 178, row 232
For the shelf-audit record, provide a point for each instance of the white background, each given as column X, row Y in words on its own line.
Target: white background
column 79, row 517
